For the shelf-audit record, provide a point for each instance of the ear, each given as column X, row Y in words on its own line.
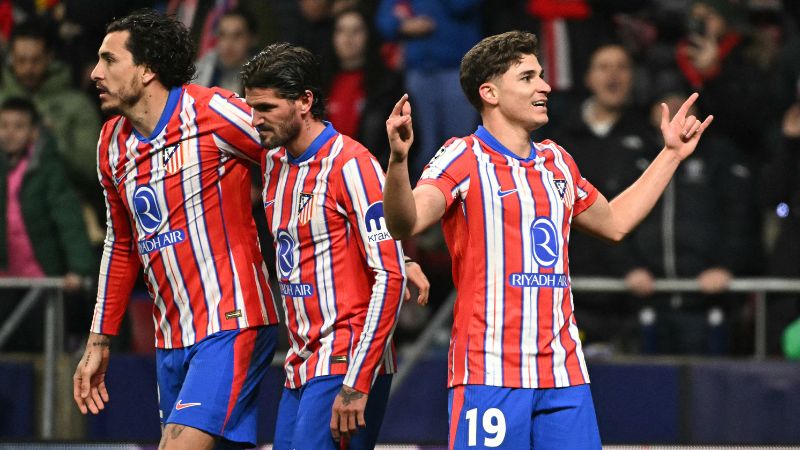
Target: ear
column 147, row 75
column 305, row 102
column 488, row 92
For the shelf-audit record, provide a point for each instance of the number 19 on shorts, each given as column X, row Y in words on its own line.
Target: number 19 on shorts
column 493, row 424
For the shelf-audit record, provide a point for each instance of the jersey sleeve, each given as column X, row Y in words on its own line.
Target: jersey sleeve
column 362, row 198
column 120, row 263
column 448, row 170
column 231, row 122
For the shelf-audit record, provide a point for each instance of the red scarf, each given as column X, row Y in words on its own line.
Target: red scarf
column 694, row 76
column 559, row 9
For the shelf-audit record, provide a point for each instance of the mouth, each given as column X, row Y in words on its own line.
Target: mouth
column 540, row 104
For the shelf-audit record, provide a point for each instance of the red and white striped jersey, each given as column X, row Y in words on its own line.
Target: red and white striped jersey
column 341, row 274
column 178, row 205
column 507, row 226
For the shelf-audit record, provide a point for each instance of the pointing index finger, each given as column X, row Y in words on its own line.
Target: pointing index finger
column 398, row 107
column 686, row 105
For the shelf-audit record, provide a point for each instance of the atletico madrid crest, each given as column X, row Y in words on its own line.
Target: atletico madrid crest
column 566, row 194
column 305, row 208
column 172, row 157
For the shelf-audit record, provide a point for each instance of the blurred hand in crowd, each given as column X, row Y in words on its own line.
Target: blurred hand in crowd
column 640, row 282
column 791, row 122
column 714, row 280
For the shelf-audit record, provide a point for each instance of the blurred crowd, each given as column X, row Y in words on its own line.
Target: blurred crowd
column 732, row 210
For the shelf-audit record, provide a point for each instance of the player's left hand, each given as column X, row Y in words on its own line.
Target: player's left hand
column 418, row 279
column 682, row 133
column 348, row 413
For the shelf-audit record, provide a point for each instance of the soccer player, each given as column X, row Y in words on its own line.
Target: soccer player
column 341, row 274
column 517, row 375
column 173, row 164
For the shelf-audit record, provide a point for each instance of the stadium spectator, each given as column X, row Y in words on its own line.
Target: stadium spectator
column 173, row 163
column 612, row 144
column 41, row 231
column 780, row 196
column 702, row 228
column 236, row 35
column 360, row 88
column 507, row 205
column 434, row 33
column 33, row 73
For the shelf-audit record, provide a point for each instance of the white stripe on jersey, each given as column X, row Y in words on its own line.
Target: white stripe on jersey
column 495, row 267
column 570, row 182
column 529, row 326
column 324, row 262
column 442, row 160
column 556, row 216
column 237, row 118
column 197, row 232
column 354, row 185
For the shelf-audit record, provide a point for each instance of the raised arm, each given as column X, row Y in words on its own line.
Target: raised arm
column 407, row 212
column 614, row 220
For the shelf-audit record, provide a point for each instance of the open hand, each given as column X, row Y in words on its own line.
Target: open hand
column 681, row 134
column 89, row 382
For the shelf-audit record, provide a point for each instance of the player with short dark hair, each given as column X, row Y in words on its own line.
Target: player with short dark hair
column 517, row 373
column 341, row 274
column 173, row 165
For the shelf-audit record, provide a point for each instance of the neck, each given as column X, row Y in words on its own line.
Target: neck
column 513, row 137
column 352, row 64
column 15, row 157
column 310, row 128
column 597, row 113
column 144, row 115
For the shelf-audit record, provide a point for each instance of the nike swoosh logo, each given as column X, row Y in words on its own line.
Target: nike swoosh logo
column 180, row 405
column 501, row 193
column 269, row 203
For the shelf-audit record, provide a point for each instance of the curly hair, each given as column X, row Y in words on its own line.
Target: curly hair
column 159, row 42
column 290, row 70
column 492, row 57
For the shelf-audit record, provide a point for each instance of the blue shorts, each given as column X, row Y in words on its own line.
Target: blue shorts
column 509, row 418
column 304, row 415
column 213, row 385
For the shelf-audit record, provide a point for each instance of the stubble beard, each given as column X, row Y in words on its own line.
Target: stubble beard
column 281, row 135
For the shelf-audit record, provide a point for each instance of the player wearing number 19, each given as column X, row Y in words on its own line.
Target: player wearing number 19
column 517, row 374
column 173, row 165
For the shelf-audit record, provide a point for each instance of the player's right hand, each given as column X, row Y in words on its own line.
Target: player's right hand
column 88, row 383
column 399, row 130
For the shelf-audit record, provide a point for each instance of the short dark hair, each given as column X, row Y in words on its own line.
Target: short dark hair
column 159, row 42
column 290, row 70
column 491, row 57
column 246, row 16
column 23, row 105
column 34, row 28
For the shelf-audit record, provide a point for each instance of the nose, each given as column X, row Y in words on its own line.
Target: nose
column 257, row 119
column 544, row 87
column 96, row 72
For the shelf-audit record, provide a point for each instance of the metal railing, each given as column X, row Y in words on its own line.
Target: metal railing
column 410, row 355
column 51, row 290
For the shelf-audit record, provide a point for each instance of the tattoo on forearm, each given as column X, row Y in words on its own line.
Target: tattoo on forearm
column 171, row 431
column 100, row 344
column 349, row 395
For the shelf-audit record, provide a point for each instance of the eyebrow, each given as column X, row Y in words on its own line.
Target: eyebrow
column 105, row 54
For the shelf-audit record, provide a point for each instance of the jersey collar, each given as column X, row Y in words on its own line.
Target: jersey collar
column 487, row 138
column 169, row 108
column 315, row 146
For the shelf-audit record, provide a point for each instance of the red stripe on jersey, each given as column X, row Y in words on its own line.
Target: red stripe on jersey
column 506, row 224
column 180, row 199
column 341, row 279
